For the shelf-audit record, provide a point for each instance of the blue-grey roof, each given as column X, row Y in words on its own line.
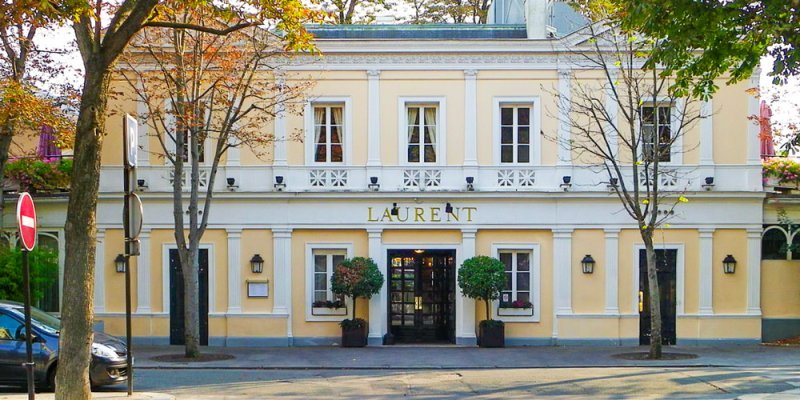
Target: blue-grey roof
column 424, row 31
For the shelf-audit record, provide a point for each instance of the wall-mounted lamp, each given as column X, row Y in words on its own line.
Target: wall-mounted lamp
column 709, row 183
column 567, row 182
column 257, row 264
column 232, row 183
column 470, row 183
column 729, row 264
column 395, row 209
column 612, row 184
column 279, row 184
column 119, row 262
column 587, row 264
column 141, row 183
column 448, row 208
column 373, row 184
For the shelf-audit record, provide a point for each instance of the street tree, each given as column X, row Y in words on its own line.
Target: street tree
column 702, row 40
column 624, row 121
column 24, row 106
column 449, row 11
column 102, row 30
column 204, row 94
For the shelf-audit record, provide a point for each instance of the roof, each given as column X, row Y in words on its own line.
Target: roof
column 424, row 31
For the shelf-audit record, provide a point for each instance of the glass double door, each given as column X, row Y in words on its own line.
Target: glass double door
column 422, row 296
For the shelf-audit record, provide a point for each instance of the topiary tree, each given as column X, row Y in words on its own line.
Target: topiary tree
column 356, row 277
column 482, row 278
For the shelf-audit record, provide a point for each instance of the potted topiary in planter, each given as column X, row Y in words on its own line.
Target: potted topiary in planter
column 354, row 278
column 483, row 278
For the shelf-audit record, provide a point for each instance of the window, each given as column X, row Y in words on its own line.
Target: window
column 515, row 131
column 328, row 129
column 656, row 120
column 775, row 243
column 324, row 263
column 9, row 327
column 422, row 133
column 518, row 276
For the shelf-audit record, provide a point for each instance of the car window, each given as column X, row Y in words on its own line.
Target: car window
column 8, row 327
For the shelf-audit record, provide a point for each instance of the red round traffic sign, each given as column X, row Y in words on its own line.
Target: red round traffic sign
column 26, row 221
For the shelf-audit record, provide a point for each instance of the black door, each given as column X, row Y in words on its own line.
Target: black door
column 176, row 303
column 422, row 296
column 666, row 262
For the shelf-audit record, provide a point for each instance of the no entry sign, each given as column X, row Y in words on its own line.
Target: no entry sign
column 26, row 221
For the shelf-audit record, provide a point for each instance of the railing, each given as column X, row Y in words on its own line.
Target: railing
column 441, row 179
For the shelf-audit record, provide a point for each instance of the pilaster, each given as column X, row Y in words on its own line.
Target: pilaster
column 706, row 133
column 100, row 272
column 234, row 271
column 373, row 118
column 378, row 304
column 282, row 273
column 753, row 271
column 470, row 118
column 143, row 295
column 564, row 108
column 465, row 307
column 280, row 158
column 706, row 286
column 612, row 271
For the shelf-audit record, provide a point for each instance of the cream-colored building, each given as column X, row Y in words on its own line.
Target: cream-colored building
column 360, row 185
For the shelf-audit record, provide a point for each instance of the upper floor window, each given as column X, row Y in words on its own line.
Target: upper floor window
column 657, row 126
column 328, row 129
column 423, row 129
column 515, row 134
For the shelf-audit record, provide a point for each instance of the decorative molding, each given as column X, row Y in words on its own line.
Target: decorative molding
column 99, row 271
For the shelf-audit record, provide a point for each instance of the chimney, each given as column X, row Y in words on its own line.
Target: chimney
column 537, row 16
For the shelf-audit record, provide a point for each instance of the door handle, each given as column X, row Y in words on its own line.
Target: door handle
column 418, row 302
column 641, row 301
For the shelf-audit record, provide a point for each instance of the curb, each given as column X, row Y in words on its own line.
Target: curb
column 98, row 395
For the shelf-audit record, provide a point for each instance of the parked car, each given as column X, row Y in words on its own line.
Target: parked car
column 109, row 364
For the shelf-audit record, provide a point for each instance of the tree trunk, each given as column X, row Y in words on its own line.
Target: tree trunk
column 488, row 315
column 191, row 299
column 6, row 137
column 78, row 304
column 655, row 296
column 355, row 300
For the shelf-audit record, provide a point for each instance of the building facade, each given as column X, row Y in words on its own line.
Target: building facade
column 424, row 146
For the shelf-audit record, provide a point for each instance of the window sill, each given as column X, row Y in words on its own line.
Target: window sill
column 325, row 311
column 515, row 312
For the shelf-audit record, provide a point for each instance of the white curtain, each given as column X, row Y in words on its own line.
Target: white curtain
column 430, row 134
column 413, row 148
column 319, row 134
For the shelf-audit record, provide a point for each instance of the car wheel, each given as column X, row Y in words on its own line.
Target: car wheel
column 51, row 378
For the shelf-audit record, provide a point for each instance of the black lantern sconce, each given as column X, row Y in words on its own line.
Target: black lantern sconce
column 119, row 262
column 373, row 184
column 448, row 208
column 566, row 182
column 709, row 183
column 470, row 183
column 729, row 264
column 395, row 210
column 588, row 264
column 257, row 264
column 612, row 184
column 279, row 183
column 232, row 183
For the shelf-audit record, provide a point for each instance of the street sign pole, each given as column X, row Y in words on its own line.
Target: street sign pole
column 26, row 282
column 26, row 223
column 129, row 139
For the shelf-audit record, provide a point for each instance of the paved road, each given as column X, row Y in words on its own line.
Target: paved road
column 626, row 382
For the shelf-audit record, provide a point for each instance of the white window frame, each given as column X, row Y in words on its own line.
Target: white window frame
column 347, row 131
column 676, row 149
column 535, row 128
column 171, row 145
column 535, row 285
column 309, row 296
column 441, row 129
column 680, row 273
column 212, row 273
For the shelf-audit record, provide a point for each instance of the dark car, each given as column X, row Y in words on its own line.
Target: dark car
column 109, row 365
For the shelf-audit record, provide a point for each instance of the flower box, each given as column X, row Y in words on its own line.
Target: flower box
column 320, row 311
column 515, row 312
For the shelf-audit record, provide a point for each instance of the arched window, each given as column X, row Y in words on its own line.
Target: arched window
column 774, row 243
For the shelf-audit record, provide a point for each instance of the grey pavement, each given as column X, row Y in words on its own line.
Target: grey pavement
column 456, row 357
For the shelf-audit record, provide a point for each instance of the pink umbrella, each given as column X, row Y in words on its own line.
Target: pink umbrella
column 767, row 146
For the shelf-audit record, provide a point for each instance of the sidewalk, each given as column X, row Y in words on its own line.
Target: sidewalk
column 453, row 357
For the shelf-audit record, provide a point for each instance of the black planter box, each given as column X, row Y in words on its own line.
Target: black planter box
column 354, row 337
column 492, row 336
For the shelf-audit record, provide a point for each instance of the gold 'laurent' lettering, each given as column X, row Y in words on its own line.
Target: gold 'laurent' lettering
column 386, row 215
column 469, row 213
column 371, row 218
column 435, row 214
